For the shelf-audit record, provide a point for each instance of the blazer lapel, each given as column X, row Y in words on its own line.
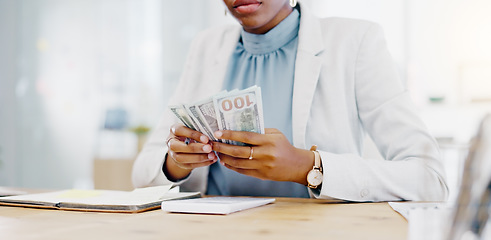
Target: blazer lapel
column 307, row 71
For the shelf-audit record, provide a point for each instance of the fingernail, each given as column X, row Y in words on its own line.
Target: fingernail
column 203, row 139
column 211, row 156
column 207, row 148
column 218, row 134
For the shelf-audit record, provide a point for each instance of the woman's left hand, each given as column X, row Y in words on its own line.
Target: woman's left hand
column 273, row 157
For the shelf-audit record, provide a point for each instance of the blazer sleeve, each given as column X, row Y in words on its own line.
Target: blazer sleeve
column 412, row 168
column 147, row 169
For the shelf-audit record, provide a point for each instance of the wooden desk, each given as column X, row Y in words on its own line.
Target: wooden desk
column 287, row 218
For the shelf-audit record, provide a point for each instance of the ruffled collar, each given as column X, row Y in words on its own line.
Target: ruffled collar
column 275, row 38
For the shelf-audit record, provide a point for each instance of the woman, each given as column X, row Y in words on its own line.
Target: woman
column 325, row 82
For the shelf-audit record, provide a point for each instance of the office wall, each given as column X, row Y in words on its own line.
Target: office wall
column 53, row 98
column 450, row 54
column 392, row 15
column 64, row 64
column 449, row 64
column 8, row 74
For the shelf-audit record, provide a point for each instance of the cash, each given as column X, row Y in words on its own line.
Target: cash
column 237, row 110
column 181, row 113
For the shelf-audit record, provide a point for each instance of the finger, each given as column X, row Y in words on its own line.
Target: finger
column 176, row 145
column 233, row 150
column 190, row 161
column 251, row 138
column 183, row 131
column 196, row 165
column 239, row 163
column 248, row 172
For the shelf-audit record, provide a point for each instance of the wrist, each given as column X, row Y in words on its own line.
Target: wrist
column 172, row 171
column 307, row 162
column 315, row 175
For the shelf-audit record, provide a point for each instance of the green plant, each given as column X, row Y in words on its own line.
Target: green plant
column 140, row 130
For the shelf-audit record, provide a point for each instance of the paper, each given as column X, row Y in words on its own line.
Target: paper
column 10, row 192
column 404, row 208
column 426, row 220
column 428, row 223
column 214, row 205
column 98, row 197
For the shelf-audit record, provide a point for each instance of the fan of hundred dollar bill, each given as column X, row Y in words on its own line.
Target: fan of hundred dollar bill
column 238, row 110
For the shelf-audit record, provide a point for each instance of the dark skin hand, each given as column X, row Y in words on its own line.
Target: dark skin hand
column 274, row 158
column 182, row 157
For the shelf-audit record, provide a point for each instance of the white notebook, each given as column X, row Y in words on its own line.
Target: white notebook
column 138, row 200
column 214, row 205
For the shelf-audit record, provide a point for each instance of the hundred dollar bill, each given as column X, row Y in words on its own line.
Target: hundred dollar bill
column 200, row 121
column 182, row 114
column 240, row 111
column 206, row 112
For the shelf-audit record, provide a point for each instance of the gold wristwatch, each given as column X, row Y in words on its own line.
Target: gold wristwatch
column 315, row 176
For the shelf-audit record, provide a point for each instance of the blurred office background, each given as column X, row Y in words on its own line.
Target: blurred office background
column 81, row 81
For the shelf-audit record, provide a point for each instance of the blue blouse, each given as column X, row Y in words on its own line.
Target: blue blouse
column 266, row 60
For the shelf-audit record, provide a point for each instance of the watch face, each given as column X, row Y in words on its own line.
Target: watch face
column 314, row 178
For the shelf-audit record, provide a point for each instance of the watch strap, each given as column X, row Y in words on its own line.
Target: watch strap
column 316, row 168
column 317, row 158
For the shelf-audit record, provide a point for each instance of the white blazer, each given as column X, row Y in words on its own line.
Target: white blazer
column 346, row 85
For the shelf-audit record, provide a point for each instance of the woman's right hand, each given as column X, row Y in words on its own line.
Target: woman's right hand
column 184, row 156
